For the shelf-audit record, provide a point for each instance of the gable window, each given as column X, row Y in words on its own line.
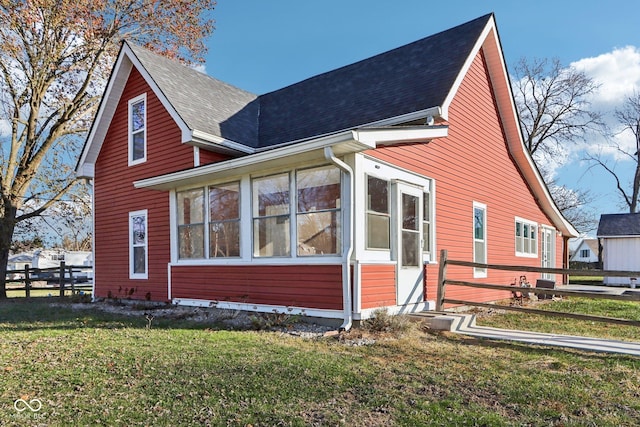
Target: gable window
column 479, row 238
column 318, row 213
column 138, row 130
column 191, row 223
column 526, row 235
column 584, row 253
column 138, row 245
column 378, row 216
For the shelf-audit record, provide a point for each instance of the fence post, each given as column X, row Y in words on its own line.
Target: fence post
column 442, row 273
column 27, row 282
column 62, row 271
column 73, row 282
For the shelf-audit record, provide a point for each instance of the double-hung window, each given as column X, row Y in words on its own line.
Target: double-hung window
column 526, row 236
column 138, row 130
column 378, row 215
column 138, row 256
column 479, row 238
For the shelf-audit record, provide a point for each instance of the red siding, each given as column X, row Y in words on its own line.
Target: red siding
column 473, row 164
column 311, row 286
column 377, row 285
column 115, row 197
column 207, row 157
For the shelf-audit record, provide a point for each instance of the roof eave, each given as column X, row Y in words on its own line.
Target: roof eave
column 392, row 135
column 342, row 143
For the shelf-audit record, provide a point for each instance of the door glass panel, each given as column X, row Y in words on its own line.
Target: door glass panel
column 410, row 231
column 409, row 212
column 410, row 246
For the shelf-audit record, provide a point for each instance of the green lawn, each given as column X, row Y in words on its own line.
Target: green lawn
column 585, row 280
column 91, row 368
column 35, row 293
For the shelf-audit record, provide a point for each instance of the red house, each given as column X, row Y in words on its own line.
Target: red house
column 331, row 197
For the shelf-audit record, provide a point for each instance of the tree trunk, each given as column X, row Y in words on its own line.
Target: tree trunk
column 7, row 226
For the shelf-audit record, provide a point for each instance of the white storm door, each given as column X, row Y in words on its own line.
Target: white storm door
column 408, row 244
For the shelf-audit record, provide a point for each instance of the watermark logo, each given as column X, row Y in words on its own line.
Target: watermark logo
column 21, row 405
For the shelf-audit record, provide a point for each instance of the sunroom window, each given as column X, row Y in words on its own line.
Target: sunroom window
column 271, row 216
column 378, row 216
column 191, row 223
column 426, row 223
column 318, row 213
column 224, row 220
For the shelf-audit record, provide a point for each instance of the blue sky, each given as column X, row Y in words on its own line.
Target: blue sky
column 262, row 46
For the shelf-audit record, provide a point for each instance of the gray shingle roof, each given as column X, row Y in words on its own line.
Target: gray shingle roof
column 619, row 225
column 410, row 78
column 204, row 103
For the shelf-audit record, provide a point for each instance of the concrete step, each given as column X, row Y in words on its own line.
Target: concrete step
column 445, row 321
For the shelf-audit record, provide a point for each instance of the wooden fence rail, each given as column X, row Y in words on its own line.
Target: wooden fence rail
column 62, row 275
column 443, row 282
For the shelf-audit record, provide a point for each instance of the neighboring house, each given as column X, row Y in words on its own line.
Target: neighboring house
column 586, row 252
column 51, row 258
column 19, row 262
column 331, row 197
column 619, row 235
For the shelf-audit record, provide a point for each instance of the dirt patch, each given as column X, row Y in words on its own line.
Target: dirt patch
column 232, row 319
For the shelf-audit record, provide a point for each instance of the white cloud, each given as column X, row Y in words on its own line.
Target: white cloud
column 618, row 74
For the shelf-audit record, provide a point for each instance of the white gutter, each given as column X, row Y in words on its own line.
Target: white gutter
column 346, row 272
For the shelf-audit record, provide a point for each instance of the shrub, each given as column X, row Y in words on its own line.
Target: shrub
column 382, row 321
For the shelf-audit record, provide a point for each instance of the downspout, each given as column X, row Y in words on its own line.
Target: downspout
column 346, row 264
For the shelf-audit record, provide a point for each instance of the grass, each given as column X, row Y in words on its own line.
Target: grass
column 586, row 280
column 36, row 293
column 598, row 307
column 88, row 367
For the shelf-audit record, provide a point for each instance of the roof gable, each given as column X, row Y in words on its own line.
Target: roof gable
column 619, row 225
column 204, row 103
column 396, row 87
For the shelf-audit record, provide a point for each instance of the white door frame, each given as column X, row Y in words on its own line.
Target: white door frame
column 407, row 239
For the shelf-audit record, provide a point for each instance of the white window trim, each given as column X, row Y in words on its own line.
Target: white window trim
column 364, row 166
column 144, row 275
column 246, row 214
column 530, row 223
column 133, row 101
column 480, row 273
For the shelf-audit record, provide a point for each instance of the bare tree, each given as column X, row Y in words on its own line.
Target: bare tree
column 55, row 57
column 554, row 110
column 553, row 105
column 628, row 116
column 574, row 205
